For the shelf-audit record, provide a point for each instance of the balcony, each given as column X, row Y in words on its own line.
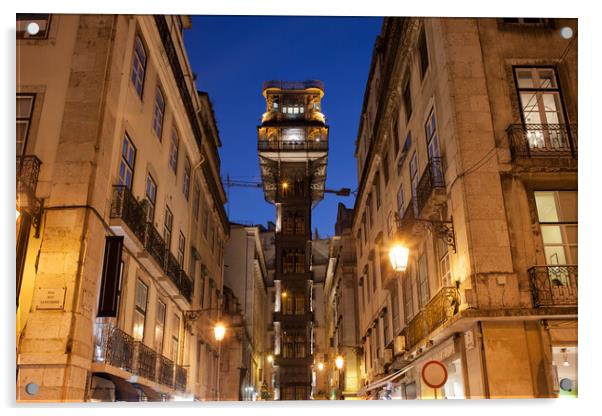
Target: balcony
column 180, row 379
column 114, row 347
column 292, row 145
column 166, row 371
column 142, row 237
column 293, row 85
column 430, row 191
column 28, row 170
column 553, row 285
column 145, row 361
column 529, row 142
column 131, row 211
column 440, row 309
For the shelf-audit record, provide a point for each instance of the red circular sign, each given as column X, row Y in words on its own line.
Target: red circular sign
column 434, row 374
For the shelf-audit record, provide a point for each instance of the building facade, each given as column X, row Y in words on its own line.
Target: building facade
column 120, row 218
column 293, row 149
column 340, row 305
column 246, row 276
column 467, row 154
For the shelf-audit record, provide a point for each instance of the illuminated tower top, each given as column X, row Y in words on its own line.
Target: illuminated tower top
column 293, row 137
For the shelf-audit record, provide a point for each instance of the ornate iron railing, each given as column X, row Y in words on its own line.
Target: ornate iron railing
column 292, row 145
column 293, row 85
column 533, row 140
column 28, row 171
column 146, row 361
column 172, row 269
column 442, row 307
column 125, row 206
column 431, row 178
column 185, row 285
column 166, row 371
column 113, row 346
column 553, row 285
column 154, row 243
column 180, row 380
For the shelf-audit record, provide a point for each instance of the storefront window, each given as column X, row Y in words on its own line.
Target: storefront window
column 564, row 362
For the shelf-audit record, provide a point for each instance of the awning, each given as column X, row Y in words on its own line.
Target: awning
column 124, row 391
column 382, row 381
column 151, row 394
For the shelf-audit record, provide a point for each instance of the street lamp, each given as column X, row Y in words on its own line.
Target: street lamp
column 320, row 366
column 398, row 254
column 339, row 362
column 270, row 359
column 219, row 331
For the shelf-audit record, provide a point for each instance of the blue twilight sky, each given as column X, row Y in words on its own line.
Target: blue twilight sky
column 233, row 55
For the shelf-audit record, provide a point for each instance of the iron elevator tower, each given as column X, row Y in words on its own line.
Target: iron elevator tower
column 293, row 152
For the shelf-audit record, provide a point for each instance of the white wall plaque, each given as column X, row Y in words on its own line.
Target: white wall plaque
column 469, row 339
column 51, row 298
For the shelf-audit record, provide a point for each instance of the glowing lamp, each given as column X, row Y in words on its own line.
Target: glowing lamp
column 398, row 255
column 339, row 362
column 219, row 331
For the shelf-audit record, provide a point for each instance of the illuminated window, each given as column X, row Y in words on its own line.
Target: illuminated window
column 175, row 338
column 140, row 310
column 557, row 214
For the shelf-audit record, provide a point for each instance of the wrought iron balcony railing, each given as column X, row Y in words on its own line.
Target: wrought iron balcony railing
column 293, row 85
column 534, row 140
column 180, row 380
column 185, row 285
column 554, row 285
column 145, row 362
column 113, row 346
column 431, row 179
column 442, row 307
column 172, row 269
column 125, row 206
column 154, row 244
column 291, row 145
column 28, row 170
column 166, row 371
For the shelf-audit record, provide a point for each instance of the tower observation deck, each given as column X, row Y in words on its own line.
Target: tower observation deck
column 293, row 152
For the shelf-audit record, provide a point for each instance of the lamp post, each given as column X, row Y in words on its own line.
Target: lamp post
column 339, row 362
column 219, row 331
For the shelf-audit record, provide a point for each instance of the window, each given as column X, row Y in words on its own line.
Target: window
column 386, row 335
column 407, row 295
column 158, row 113
column 299, row 225
column 364, row 227
column 202, row 297
column 196, row 199
column 299, row 346
column 24, row 19
column 140, row 310
column 138, row 66
column 541, row 104
column 386, row 167
column 407, row 99
column 167, row 227
column 159, row 326
column 362, row 294
column 395, row 308
column 423, row 286
column 424, row 53
column 404, row 152
column 151, row 197
column 377, row 190
column 181, row 249
column 432, row 139
column 400, row 200
column 173, row 151
column 370, row 213
column 359, row 242
column 557, row 214
column 414, row 181
column 205, row 220
column 126, row 166
column 395, row 136
column 186, row 184
column 24, row 112
column 112, row 276
column 299, row 303
column 175, row 338
column 444, row 264
column 373, row 272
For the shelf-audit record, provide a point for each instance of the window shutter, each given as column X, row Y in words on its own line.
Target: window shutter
column 109, row 286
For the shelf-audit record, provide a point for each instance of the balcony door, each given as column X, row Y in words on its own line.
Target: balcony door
column 542, row 110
